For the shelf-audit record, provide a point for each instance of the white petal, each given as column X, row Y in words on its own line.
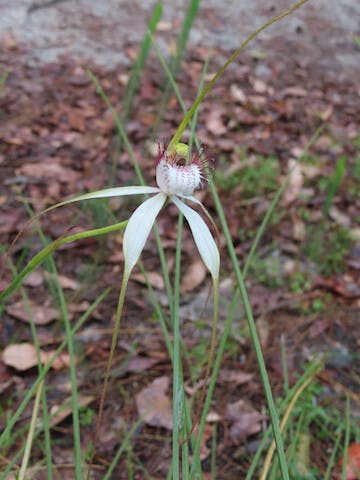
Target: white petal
column 191, row 198
column 112, row 192
column 138, row 229
column 202, row 236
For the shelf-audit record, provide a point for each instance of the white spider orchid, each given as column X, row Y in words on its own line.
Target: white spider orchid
column 174, row 182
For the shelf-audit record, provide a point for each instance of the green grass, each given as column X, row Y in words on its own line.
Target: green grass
column 327, row 246
column 268, row 270
column 255, row 180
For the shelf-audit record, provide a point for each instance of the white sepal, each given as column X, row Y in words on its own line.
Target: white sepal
column 138, row 229
column 113, row 192
column 202, row 237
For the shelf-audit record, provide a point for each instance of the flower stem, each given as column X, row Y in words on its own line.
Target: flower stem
column 30, row 437
column 205, row 409
column 177, row 366
column 114, row 340
column 180, row 130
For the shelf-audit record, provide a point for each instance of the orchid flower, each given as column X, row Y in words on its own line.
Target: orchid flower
column 175, row 182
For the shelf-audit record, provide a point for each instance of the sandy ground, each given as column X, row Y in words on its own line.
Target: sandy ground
column 322, row 32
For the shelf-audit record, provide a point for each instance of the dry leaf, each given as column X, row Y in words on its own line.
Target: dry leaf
column 214, row 121
column 164, row 26
column 298, row 229
column 154, row 405
column 339, row 217
column 22, row 356
column 193, row 277
column 234, row 377
column 60, row 362
column 245, row 420
column 295, row 92
column 35, row 279
column 49, row 169
column 41, row 314
column 294, row 185
column 60, row 412
column 139, row 364
column 237, row 94
column 259, row 85
column 155, row 279
column 76, row 119
column 264, row 330
column 353, row 465
column 66, row 282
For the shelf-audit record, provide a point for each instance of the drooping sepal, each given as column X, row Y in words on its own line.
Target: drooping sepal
column 202, row 237
column 138, row 229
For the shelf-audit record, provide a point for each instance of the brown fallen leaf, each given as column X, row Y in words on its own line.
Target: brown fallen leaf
column 60, row 412
column 353, row 464
column 258, row 85
column 234, row 376
column 294, row 184
column 76, row 119
column 22, row 356
column 245, row 420
column 79, row 307
column 347, row 289
column 298, row 228
column 49, row 169
column 294, row 92
column 237, row 94
column 263, row 328
column 60, row 362
column 154, row 405
column 35, row 279
column 214, row 121
column 339, row 217
column 66, row 282
column 41, row 314
column 155, row 279
column 193, row 277
column 139, row 364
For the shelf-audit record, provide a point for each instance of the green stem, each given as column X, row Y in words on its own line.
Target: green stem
column 214, row 326
column 346, row 440
column 49, row 249
column 211, row 365
column 177, row 367
column 114, row 340
column 30, row 437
